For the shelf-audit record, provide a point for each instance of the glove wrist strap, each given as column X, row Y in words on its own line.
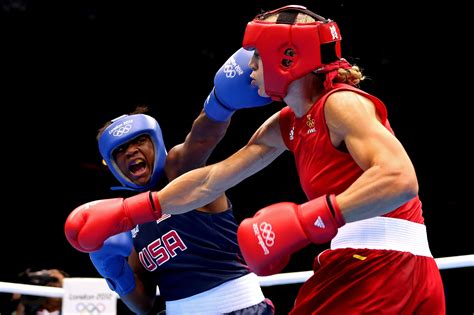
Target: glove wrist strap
column 335, row 210
column 143, row 208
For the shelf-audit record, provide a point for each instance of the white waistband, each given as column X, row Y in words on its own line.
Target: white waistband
column 231, row 296
column 384, row 233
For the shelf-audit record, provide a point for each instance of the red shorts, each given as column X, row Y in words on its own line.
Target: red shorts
column 368, row 281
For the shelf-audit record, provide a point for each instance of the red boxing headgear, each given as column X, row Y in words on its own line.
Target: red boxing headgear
column 290, row 50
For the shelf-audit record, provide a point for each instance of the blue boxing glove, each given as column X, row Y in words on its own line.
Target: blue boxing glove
column 111, row 261
column 233, row 89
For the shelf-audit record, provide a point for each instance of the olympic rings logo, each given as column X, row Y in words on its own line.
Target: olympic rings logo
column 267, row 233
column 122, row 130
column 229, row 71
column 90, row 308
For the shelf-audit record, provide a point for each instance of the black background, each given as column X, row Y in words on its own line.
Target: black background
column 68, row 66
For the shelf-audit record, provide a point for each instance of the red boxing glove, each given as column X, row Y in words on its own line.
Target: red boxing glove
column 89, row 225
column 275, row 232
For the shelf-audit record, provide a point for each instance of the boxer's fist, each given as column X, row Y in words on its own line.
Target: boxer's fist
column 233, row 89
column 111, row 261
column 89, row 225
column 275, row 232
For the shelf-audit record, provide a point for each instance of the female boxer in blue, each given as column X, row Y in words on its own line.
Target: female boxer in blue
column 194, row 258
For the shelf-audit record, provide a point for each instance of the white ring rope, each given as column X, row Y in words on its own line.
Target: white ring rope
column 302, row 276
column 28, row 289
column 278, row 279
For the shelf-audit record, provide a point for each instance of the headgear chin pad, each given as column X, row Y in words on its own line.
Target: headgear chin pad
column 124, row 129
column 288, row 49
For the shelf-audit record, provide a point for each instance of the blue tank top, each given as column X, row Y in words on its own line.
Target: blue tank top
column 190, row 253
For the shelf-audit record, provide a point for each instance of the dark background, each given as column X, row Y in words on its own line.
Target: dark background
column 69, row 66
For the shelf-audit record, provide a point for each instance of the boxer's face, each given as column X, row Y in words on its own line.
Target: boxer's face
column 135, row 159
column 257, row 73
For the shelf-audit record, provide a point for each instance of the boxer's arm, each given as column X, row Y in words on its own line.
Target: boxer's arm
column 389, row 178
column 198, row 187
column 142, row 298
column 205, row 134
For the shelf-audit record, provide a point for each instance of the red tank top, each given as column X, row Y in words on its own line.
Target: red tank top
column 321, row 167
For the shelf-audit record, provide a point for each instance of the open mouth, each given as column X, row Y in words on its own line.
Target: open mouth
column 137, row 167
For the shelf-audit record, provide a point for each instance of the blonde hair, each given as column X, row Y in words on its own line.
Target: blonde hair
column 351, row 76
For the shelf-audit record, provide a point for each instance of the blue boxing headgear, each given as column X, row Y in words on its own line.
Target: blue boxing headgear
column 124, row 129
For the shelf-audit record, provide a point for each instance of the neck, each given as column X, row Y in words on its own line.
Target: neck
column 303, row 93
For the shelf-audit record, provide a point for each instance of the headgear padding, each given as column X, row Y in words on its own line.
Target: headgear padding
column 288, row 49
column 124, row 129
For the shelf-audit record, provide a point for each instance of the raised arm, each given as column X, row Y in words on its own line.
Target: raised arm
column 232, row 91
column 204, row 136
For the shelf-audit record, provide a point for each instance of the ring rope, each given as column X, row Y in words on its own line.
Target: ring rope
column 278, row 279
